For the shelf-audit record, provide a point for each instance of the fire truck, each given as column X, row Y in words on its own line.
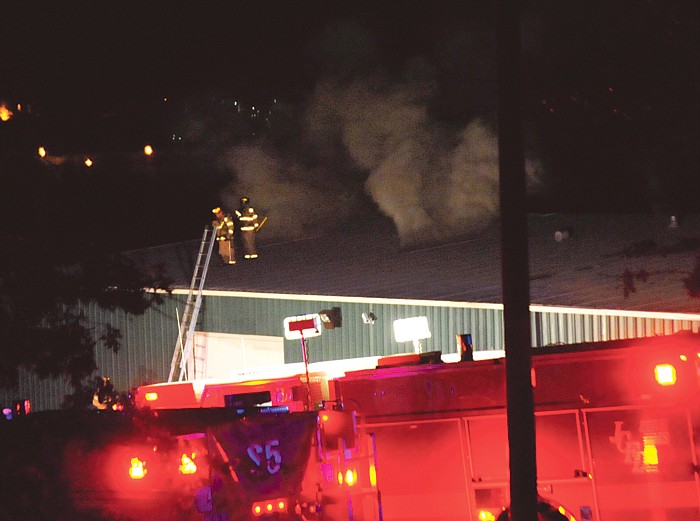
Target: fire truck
column 420, row 436
column 617, row 432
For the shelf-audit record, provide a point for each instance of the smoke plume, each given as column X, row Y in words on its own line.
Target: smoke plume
column 434, row 181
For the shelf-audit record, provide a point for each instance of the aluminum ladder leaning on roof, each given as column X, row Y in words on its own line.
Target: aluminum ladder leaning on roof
column 185, row 339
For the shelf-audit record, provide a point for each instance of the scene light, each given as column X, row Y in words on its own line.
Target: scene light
column 412, row 329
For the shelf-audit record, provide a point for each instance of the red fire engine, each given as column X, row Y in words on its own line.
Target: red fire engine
column 616, row 430
column 411, row 438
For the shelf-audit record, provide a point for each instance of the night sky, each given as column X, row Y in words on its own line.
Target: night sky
column 334, row 114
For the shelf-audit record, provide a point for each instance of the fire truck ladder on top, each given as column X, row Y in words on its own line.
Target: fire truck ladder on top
column 185, row 340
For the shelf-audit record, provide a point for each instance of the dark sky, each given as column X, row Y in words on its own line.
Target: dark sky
column 390, row 104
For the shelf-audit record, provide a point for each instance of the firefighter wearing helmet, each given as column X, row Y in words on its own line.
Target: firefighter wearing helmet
column 224, row 227
column 248, row 226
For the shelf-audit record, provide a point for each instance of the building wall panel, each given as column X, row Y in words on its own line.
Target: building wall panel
column 148, row 341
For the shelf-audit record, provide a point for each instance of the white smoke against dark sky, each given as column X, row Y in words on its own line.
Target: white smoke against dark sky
column 434, row 182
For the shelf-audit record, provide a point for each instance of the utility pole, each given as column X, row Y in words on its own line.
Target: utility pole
column 514, row 267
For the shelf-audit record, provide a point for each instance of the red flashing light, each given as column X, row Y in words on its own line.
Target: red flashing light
column 270, row 506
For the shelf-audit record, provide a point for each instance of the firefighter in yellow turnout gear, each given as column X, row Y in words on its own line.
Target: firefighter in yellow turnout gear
column 248, row 226
column 224, row 228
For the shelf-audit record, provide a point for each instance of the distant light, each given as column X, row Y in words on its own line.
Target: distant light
column 41, row 151
column 5, row 113
column 88, row 162
column 148, row 150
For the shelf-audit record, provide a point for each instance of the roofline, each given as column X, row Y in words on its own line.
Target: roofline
column 538, row 308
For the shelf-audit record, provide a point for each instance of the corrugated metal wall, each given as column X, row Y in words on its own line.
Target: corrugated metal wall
column 552, row 325
column 148, row 341
column 265, row 316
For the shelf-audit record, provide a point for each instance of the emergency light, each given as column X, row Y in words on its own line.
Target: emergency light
column 486, row 515
column 665, row 374
column 137, row 470
column 269, row 506
column 349, row 477
column 187, row 464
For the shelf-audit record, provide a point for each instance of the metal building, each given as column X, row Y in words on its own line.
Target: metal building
column 577, row 289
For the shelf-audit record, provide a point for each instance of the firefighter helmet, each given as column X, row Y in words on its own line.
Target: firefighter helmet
column 244, row 200
column 216, row 210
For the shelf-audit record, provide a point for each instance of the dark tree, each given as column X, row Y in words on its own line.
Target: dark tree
column 57, row 254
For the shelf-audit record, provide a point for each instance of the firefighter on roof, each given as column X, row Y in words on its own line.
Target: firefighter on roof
column 224, row 227
column 248, row 226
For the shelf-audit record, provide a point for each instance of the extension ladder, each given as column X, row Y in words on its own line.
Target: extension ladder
column 185, row 339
